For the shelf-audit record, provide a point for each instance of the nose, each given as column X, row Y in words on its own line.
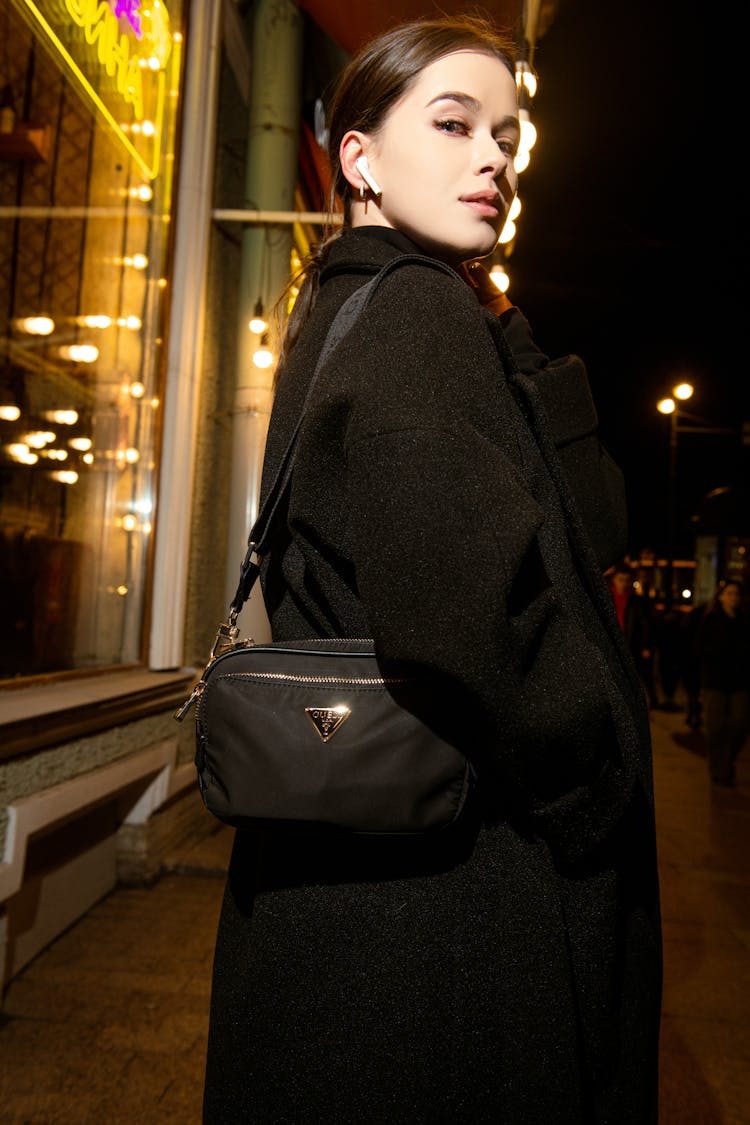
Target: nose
column 490, row 157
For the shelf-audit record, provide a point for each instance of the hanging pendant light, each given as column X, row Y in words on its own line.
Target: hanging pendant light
column 258, row 324
column 263, row 357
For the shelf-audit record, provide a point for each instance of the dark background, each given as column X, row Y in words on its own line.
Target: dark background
column 631, row 237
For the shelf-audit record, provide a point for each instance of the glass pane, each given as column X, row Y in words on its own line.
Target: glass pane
column 87, row 125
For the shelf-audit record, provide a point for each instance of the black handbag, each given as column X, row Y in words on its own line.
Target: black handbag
column 311, row 733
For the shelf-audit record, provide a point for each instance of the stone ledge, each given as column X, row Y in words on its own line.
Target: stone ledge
column 32, row 718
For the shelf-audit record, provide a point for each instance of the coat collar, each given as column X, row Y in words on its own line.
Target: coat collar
column 365, row 250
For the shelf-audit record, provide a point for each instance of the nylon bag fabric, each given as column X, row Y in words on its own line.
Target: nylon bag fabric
column 311, row 734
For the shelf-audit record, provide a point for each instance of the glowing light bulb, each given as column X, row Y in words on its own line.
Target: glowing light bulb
column 95, row 321
column 528, row 131
column 39, row 438
column 258, row 324
column 132, row 456
column 80, row 353
column 263, row 357
column 515, row 208
column 500, row 278
column 521, row 162
column 526, row 78
column 137, row 390
column 65, row 476
column 139, row 261
column 508, row 233
column 20, row 452
column 36, row 325
column 61, row 417
column 10, row 413
column 82, row 444
column 666, row 406
column 683, row 391
column 129, row 523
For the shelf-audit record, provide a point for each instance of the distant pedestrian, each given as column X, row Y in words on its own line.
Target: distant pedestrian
column 723, row 649
column 634, row 615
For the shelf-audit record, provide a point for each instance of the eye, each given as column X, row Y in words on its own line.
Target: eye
column 507, row 146
column 452, row 126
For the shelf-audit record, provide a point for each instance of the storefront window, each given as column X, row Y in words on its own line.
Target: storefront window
column 88, row 105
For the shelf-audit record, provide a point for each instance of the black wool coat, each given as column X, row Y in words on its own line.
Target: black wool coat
column 459, row 511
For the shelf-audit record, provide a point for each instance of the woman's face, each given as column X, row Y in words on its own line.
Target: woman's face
column 444, row 158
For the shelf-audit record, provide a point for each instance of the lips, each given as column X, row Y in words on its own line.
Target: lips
column 485, row 203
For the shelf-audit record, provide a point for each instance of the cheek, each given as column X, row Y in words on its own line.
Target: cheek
column 405, row 171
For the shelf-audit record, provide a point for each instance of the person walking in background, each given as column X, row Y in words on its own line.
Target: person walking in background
column 634, row 615
column 723, row 650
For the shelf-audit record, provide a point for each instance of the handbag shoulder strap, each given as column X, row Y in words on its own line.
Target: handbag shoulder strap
column 263, row 530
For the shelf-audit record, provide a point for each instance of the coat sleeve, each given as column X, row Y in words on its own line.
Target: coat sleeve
column 593, row 477
column 442, row 531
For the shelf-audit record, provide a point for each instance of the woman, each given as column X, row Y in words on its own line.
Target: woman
column 454, row 504
column 723, row 650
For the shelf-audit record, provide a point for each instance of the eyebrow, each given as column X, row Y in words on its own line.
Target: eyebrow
column 454, row 96
column 472, row 104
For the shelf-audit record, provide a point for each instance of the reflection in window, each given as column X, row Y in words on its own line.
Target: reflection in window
column 83, row 258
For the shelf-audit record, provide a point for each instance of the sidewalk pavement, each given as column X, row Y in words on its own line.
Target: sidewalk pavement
column 109, row 1023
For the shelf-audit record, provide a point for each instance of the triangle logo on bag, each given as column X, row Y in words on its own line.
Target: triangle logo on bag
column 327, row 720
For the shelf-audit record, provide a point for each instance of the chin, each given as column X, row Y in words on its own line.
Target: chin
column 479, row 247
column 487, row 245
column 484, row 252
column 455, row 254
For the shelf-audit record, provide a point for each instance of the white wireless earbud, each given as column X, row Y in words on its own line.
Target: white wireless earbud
column 363, row 168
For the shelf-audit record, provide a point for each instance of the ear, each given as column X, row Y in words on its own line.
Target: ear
column 353, row 145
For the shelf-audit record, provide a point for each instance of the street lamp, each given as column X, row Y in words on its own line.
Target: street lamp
column 681, row 393
column 680, row 422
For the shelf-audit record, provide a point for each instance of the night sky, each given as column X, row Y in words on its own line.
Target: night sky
column 629, row 243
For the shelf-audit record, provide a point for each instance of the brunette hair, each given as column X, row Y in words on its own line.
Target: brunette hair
column 370, row 85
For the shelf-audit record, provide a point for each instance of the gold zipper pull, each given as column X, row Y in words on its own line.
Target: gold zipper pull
column 195, row 694
column 226, row 638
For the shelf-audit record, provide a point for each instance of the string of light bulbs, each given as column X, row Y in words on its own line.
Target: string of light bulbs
column 526, row 84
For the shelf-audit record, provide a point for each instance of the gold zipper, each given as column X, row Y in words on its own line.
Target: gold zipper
column 195, row 694
column 200, row 687
column 295, row 679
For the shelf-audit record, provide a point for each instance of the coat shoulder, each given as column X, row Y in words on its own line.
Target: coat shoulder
column 418, row 355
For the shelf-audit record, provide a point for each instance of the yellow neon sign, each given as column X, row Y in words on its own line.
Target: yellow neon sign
column 129, row 63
